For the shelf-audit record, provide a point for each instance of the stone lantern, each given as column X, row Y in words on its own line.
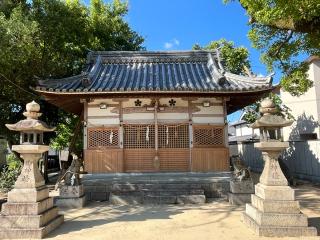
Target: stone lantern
column 274, row 210
column 29, row 212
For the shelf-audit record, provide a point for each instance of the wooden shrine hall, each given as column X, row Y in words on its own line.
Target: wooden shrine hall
column 155, row 111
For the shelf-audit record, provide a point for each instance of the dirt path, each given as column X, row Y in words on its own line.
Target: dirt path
column 217, row 220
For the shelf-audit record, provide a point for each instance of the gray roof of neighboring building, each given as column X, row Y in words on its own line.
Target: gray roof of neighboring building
column 244, row 138
column 179, row 71
column 236, row 123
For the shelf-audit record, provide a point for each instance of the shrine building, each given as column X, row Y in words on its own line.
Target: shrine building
column 155, row 111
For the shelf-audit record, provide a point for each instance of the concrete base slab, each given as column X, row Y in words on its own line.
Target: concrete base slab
column 76, row 202
column 277, row 231
column 34, row 233
column 239, row 198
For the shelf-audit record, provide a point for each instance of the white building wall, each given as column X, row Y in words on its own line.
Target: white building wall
column 213, row 114
column 305, row 108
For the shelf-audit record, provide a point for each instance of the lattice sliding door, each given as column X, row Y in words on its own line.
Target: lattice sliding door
column 174, row 147
column 139, row 147
column 209, row 152
column 103, row 153
column 208, row 136
column 103, row 138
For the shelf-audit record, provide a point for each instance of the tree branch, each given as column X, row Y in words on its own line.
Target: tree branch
column 286, row 40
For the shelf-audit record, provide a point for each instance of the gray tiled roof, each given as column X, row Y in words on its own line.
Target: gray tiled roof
column 186, row 71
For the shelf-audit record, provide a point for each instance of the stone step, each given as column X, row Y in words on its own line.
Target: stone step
column 152, row 186
column 274, row 206
column 36, row 208
column 159, row 199
column 173, row 198
column 125, row 199
column 278, row 231
column 28, row 221
column 31, row 233
column 276, row 219
column 173, row 192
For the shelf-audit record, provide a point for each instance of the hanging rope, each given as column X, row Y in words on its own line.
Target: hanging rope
column 111, row 136
column 147, row 134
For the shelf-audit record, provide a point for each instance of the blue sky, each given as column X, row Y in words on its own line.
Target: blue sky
column 179, row 24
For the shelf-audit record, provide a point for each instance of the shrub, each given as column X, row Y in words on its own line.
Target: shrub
column 10, row 173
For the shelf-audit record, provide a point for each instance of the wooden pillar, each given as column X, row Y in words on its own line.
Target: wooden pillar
column 190, row 134
column 121, row 124
column 156, row 161
column 85, row 125
column 121, row 133
column 225, row 114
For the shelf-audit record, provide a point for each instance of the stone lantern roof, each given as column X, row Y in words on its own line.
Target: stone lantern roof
column 32, row 123
column 269, row 117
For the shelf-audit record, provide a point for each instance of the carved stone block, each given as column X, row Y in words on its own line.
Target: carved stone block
column 71, row 191
column 10, row 208
column 284, row 193
column 245, row 186
column 274, row 206
column 28, row 195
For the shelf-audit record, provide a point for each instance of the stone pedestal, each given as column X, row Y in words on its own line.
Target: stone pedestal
column 70, row 197
column 29, row 212
column 240, row 192
column 274, row 211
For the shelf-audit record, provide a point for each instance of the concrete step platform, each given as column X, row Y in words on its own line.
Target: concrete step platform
column 277, row 231
column 31, row 233
column 126, row 188
column 127, row 199
column 174, row 192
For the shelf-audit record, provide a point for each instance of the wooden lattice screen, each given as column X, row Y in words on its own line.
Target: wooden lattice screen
column 208, row 136
column 103, row 138
column 139, row 136
column 173, row 136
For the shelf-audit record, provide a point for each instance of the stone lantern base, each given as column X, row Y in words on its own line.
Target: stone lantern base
column 70, row 197
column 29, row 213
column 274, row 212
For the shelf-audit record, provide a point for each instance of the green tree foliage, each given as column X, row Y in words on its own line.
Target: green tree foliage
column 43, row 39
column 65, row 133
column 284, row 31
column 235, row 58
column 252, row 111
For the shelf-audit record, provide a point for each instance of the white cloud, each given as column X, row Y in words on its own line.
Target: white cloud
column 168, row 45
column 172, row 43
column 176, row 41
